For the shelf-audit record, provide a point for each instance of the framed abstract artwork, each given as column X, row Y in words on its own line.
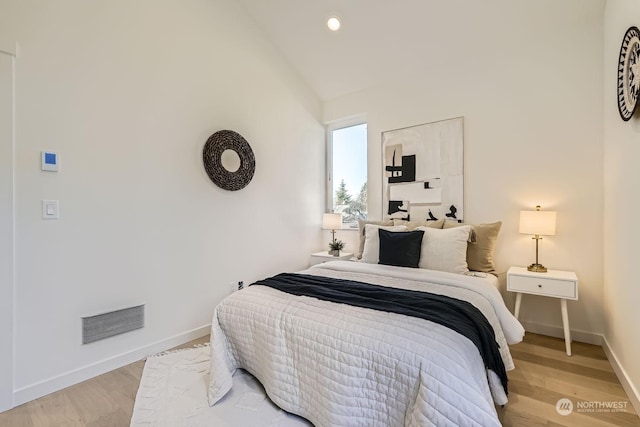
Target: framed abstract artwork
column 423, row 172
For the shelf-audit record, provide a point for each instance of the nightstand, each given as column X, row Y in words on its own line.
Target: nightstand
column 553, row 283
column 320, row 257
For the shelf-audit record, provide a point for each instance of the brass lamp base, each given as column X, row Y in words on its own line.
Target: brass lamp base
column 538, row 268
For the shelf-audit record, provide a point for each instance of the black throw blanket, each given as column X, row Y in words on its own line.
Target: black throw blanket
column 460, row 316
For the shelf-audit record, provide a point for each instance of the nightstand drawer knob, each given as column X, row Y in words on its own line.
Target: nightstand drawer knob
column 539, row 286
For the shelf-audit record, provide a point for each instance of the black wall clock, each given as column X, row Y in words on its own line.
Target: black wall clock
column 629, row 73
column 215, row 146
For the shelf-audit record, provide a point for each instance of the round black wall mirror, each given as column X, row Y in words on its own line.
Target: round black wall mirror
column 229, row 160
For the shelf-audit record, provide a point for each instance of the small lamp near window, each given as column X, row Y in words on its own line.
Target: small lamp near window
column 539, row 223
column 333, row 222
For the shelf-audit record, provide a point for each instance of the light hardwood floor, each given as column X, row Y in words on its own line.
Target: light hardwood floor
column 543, row 375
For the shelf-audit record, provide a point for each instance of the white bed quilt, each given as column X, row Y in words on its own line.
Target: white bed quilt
column 339, row 365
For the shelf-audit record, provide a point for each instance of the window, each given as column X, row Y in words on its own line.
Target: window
column 347, row 170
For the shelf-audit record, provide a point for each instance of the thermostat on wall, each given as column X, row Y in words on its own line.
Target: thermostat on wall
column 50, row 161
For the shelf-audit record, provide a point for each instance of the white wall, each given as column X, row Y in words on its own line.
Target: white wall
column 127, row 93
column 621, row 205
column 528, row 81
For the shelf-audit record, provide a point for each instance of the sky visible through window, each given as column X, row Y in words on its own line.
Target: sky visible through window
column 350, row 158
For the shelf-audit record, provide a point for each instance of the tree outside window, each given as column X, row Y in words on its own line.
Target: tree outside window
column 348, row 171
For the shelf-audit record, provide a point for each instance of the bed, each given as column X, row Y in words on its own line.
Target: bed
column 338, row 364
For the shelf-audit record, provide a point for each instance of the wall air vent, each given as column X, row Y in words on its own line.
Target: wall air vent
column 117, row 322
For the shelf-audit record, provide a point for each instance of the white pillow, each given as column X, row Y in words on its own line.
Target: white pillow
column 371, row 251
column 445, row 249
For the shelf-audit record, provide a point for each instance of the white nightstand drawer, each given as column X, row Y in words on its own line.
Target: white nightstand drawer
column 543, row 286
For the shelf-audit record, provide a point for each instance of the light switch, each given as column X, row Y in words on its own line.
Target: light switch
column 50, row 209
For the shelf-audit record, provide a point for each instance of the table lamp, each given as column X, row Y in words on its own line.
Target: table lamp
column 539, row 223
column 333, row 222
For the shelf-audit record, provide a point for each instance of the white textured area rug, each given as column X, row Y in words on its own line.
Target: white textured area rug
column 173, row 393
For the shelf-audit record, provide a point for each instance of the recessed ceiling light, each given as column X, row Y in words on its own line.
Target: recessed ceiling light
column 333, row 23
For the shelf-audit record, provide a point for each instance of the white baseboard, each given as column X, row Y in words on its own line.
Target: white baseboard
column 627, row 385
column 42, row 388
column 558, row 332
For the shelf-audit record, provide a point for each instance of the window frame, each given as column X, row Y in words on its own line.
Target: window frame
column 330, row 128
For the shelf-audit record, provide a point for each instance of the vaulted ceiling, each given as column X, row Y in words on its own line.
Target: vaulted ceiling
column 380, row 40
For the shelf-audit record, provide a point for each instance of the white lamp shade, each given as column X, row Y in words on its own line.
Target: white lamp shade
column 542, row 223
column 331, row 221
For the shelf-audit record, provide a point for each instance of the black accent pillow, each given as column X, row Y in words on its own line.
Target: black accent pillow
column 400, row 248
